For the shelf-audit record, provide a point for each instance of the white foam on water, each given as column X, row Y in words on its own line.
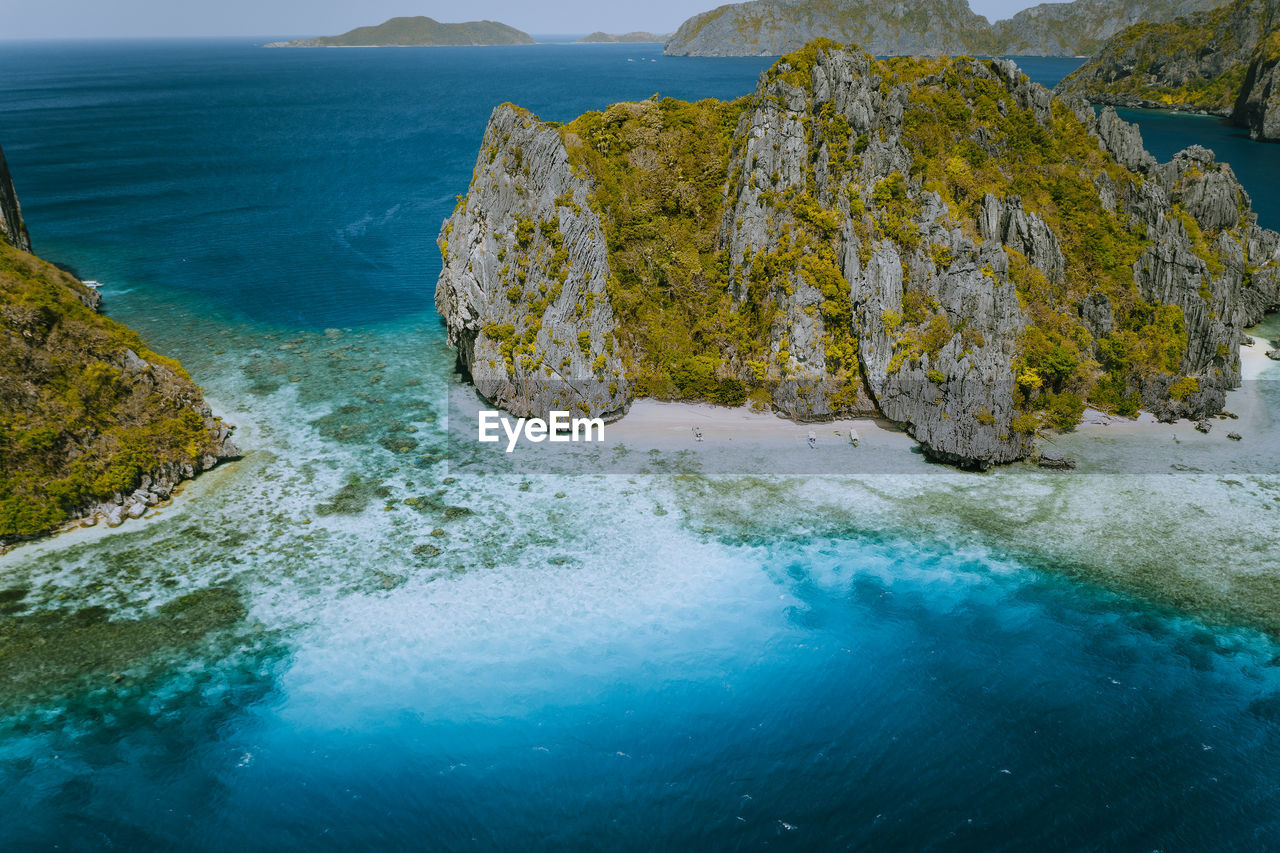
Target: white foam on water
column 538, row 598
column 636, row 594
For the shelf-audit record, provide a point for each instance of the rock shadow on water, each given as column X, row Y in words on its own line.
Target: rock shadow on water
column 354, row 497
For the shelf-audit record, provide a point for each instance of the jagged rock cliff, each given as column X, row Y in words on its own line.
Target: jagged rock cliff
column 523, row 285
column 939, row 27
column 943, row 242
column 12, row 228
column 1258, row 104
column 92, row 423
column 1222, row 61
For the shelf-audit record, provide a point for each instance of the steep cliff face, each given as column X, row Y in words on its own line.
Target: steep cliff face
column 1221, row 61
column 775, row 27
column 92, row 423
column 12, row 228
column 939, row 27
column 1080, row 28
column 1258, row 105
column 522, row 290
column 940, row 241
column 1207, row 258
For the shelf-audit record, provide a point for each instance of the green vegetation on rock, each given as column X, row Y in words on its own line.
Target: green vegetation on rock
column 927, row 28
column 1206, row 62
column 659, row 168
column 85, row 408
column 937, row 239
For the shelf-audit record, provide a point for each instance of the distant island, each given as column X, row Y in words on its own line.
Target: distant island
column 419, row 31
column 619, row 38
column 1224, row 62
column 924, row 28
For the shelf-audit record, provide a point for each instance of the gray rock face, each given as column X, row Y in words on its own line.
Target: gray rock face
column 940, row 27
column 957, row 401
column 772, row 159
column 522, row 289
column 1258, row 107
column 1007, row 223
column 12, row 228
column 1223, row 283
column 936, row 321
column 1054, row 459
column 1122, row 140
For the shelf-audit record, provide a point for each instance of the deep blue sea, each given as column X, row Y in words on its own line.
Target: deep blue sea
column 660, row 661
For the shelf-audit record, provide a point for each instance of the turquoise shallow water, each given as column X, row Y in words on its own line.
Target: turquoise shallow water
column 520, row 660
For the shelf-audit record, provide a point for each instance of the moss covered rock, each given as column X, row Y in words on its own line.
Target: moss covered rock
column 88, row 414
column 940, row 241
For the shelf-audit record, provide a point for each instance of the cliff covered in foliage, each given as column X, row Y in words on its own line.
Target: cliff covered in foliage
column 1225, row 62
column 12, row 229
column 932, row 28
column 939, row 241
column 92, row 422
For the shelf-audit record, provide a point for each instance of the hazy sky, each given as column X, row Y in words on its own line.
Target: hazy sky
column 107, row 18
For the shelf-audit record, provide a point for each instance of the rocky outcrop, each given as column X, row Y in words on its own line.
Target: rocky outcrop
column 1222, row 61
column 522, row 289
column 939, row 27
column 1080, row 28
column 760, row 225
column 12, row 228
column 1207, row 256
column 157, row 487
column 955, row 399
column 945, row 244
column 1258, row 105
column 92, row 423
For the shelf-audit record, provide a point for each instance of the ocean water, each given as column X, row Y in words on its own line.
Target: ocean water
column 527, row 661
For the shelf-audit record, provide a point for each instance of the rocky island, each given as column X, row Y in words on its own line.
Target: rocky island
column 941, row 242
column 1224, row 62
column 92, row 422
column 933, row 28
column 622, row 38
column 419, row 31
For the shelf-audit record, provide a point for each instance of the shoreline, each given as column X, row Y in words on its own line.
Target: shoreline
column 75, row 531
column 276, row 45
column 669, row 426
column 738, row 434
